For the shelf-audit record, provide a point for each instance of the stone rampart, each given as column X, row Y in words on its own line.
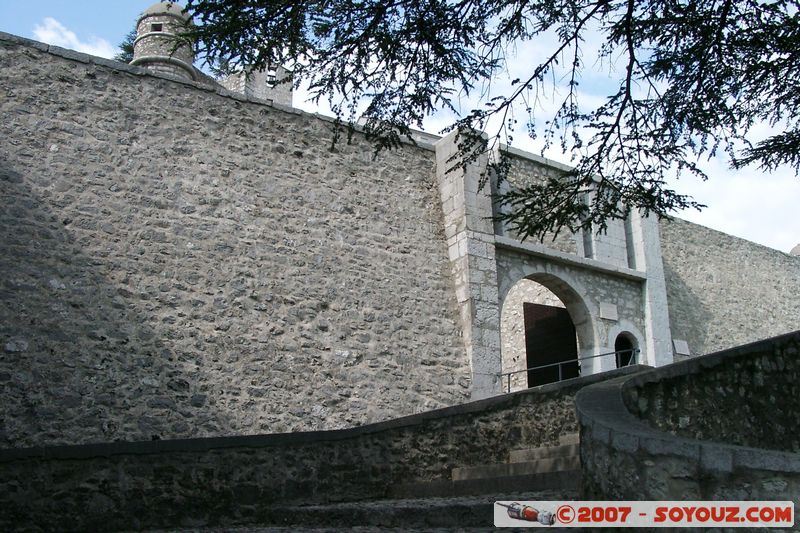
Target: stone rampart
column 724, row 291
column 235, row 479
column 690, row 414
column 178, row 261
column 753, row 392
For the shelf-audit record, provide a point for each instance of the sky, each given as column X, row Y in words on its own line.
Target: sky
column 751, row 204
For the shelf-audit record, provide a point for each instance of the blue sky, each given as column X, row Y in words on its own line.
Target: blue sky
column 749, row 203
column 90, row 20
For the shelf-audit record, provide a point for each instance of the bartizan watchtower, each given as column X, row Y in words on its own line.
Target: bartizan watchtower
column 157, row 46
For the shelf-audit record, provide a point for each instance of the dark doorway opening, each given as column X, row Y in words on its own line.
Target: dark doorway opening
column 624, row 348
column 549, row 338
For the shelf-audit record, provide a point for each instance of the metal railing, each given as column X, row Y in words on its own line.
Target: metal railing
column 631, row 361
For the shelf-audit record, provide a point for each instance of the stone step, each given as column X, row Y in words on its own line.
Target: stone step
column 570, row 438
column 564, row 480
column 534, row 454
column 539, row 466
column 403, row 513
column 407, row 515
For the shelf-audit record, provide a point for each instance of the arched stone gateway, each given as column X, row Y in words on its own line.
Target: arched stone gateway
column 609, row 282
column 544, row 321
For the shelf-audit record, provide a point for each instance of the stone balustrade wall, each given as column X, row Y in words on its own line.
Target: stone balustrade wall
column 638, row 443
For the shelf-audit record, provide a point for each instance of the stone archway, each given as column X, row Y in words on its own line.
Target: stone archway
column 624, row 346
column 554, row 303
column 625, row 336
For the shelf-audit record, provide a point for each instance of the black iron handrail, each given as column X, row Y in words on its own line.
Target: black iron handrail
column 632, row 351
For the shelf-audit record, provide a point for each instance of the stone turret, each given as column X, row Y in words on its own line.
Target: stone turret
column 156, row 47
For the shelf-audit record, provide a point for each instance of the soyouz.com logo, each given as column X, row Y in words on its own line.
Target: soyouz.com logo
column 643, row 514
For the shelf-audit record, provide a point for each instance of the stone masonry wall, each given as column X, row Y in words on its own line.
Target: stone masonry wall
column 724, row 291
column 175, row 262
column 237, row 480
column 755, row 399
column 523, row 171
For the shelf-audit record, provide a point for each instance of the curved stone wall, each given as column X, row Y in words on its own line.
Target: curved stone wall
column 753, row 392
column 626, row 457
column 235, row 480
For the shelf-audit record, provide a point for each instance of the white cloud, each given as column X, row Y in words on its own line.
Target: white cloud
column 53, row 32
column 747, row 203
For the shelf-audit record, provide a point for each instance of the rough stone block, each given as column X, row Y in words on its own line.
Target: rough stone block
column 668, row 445
column 716, row 458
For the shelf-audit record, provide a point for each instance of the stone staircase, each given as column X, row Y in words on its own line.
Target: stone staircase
column 531, row 469
column 405, row 514
column 463, row 503
column 562, row 459
column 465, row 513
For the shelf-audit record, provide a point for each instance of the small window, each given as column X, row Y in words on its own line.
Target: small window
column 156, row 27
column 272, row 78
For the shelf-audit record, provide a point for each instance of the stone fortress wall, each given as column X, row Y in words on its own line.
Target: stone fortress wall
column 724, row 291
column 177, row 262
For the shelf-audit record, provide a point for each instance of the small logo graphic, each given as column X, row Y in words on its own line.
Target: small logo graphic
column 527, row 513
column 565, row 514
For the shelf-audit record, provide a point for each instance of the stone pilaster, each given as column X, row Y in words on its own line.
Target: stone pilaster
column 647, row 249
column 471, row 248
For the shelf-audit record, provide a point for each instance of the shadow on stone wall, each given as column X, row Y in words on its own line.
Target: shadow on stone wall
column 688, row 315
column 299, row 288
column 77, row 364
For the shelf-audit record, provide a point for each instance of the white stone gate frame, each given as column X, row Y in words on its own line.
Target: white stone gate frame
column 601, row 297
column 567, row 297
column 597, row 300
column 513, row 347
